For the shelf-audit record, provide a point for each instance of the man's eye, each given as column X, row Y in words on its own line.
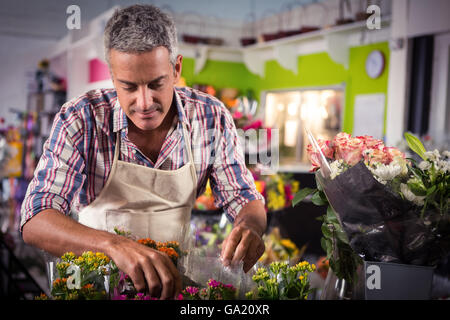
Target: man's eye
column 155, row 85
column 129, row 89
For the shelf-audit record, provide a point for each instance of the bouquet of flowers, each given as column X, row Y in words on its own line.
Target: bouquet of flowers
column 277, row 189
column 85, row 277
column 382, row 206
column 205, row 202
column 278, row 281
column 280, row 249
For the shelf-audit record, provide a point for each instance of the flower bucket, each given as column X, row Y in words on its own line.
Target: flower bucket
column 394, row 281
column 382, row 281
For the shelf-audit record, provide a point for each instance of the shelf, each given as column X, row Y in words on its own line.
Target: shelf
column 335, row 40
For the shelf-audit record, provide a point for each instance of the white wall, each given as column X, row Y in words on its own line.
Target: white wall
column 18, row 56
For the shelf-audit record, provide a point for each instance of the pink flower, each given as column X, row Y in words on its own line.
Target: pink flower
column 192, row 290
column 347, row 148
column 180, row 297
column 257, row 124
column 370, row 142
column 237, row 115
column 394, row 152
column 213, row 283
column 314, row 157
column 376, row 156
column 288, row 192
column 229, row 286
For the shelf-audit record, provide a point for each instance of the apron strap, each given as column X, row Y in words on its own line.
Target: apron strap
column 117, row 148
column 187, row 140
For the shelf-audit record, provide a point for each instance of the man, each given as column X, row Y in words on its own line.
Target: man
column 136, row 158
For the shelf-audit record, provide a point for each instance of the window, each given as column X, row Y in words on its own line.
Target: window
column 292, row 111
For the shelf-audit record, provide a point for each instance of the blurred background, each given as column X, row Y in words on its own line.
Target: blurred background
column 363, row 67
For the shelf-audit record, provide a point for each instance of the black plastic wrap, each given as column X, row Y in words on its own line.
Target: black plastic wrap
column 380, row 225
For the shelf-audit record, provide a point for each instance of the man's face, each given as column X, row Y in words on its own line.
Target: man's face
column 144, row 83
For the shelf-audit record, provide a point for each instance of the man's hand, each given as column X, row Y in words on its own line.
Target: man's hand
column 150, row 270
column 244, row 243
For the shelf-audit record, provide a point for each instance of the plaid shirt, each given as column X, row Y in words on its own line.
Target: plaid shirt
column 77, row 158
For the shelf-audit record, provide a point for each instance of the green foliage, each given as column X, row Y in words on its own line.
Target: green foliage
column 415, row 145
column 343, row 260
column 278, row 281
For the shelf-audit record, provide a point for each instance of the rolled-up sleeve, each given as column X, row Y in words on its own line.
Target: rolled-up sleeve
column 58, row 176
column 232, row 183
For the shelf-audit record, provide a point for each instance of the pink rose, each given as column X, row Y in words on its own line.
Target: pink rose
column 314, row 157
column 376, row 155
column 394, row 152
column 347, row 148
column 371, row 143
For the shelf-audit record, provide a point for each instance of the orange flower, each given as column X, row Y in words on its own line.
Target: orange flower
column 147, row 242
column 88, row 286
column 169, row 251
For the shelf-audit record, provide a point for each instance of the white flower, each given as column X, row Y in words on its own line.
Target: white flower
column 424, row 165
column 433, row 155
column 446, row 153
column 384, row 173
column 418, row 200
column 443, row 166
column 337, row 167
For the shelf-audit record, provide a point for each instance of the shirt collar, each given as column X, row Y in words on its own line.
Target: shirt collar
column 120, row 118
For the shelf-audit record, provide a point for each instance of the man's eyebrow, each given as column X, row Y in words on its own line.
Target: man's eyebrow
column 134, row 84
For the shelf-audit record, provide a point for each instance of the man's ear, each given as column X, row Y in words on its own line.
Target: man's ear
column 177, row 68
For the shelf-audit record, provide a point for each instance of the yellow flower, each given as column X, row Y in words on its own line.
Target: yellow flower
column 208, row 191
column 301, row 277
column 280, row 186
column 287, row 243
column 295, row 187
column 259, row 186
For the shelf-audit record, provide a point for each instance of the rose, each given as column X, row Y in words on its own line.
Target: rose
column 314, row 156
column 394, row 152
column 347, row 148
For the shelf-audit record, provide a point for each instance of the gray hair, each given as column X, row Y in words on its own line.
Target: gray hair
column 138, row 29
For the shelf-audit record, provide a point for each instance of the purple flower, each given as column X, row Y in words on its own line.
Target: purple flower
column 192, row 290
column 213, row 283
column 229, row 286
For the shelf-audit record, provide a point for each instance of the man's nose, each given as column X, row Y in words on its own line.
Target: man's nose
column 144, row 99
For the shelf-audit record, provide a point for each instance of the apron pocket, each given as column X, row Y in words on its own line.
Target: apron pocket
column 166, row 225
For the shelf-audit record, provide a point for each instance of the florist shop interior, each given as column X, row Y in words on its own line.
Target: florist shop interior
column 342, row 115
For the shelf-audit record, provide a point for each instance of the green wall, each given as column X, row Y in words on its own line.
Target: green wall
column 316, row 69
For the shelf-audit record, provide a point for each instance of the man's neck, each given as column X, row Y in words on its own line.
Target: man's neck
column 151, row 142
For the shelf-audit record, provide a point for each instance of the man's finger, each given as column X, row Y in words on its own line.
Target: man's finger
column 254, row 253
column 177, row 285
column 138, row 279
column 153, row 280
column 242, row 249
column 231, row 243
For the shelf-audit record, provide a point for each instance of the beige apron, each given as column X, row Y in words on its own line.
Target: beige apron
column 148, row 202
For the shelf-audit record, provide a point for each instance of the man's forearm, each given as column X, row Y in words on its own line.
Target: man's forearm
column 52, row 231
column 253, row 214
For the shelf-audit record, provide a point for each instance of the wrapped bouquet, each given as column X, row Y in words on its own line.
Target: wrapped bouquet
column 383, row 206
